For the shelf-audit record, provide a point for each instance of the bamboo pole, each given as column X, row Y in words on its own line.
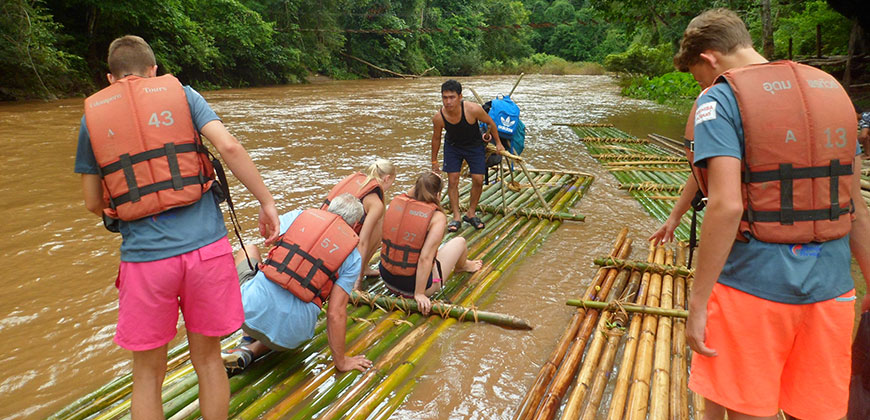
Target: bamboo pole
column 533, row 397
column 565, row 374
column 679, row 369
column 620, row 390
column 533, row 212
column 590, row 361
column 377, row 372
column 651, row 186
column 637, row 157
column 516, row 84
column 283, row 393
column 440, row 308
column 615, row 332
column 654, row 267
column 659, row 398
column 254, row 381
column 584, row 124
column 640, row 388
column 630, row 308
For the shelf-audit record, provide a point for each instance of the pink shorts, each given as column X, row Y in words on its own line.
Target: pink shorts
column 202, row 282
column 774, row 355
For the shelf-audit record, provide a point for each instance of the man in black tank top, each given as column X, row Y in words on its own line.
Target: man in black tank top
column 462, row 142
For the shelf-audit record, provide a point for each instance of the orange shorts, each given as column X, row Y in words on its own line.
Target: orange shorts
column 774, row 355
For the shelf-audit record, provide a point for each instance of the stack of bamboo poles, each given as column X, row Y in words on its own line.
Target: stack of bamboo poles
column 653, row 171
column 649, row 380
column 303, row 383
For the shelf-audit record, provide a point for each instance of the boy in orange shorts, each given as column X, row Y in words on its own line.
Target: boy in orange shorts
column 772, row 307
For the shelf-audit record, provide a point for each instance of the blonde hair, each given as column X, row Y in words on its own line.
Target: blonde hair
column 427, row 187
column 130, row 54
column 716, row 29
column 378, row 170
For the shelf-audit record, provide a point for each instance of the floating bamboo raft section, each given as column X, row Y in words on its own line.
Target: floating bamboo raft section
column 303, row 383
column 652, row 170
column 631, row 345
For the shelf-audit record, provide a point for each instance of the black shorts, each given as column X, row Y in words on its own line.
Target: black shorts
column 405, row 284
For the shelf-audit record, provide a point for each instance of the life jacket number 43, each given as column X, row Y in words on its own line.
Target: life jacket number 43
column 309, row 254
column 149, row 154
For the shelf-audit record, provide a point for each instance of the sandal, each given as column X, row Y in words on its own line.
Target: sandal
column 454, row 225
column 474, row 221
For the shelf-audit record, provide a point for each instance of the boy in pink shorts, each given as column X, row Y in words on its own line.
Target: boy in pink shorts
column 145, row 171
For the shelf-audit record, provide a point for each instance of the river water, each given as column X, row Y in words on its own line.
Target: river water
column 58, row 302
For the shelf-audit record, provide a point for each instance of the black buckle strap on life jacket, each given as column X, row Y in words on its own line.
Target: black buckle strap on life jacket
column 786, row 194
column 689, row 144
column 406, row 252
column 174, row 171
column 133, row 193
column 835, row 189
column 786, row 174
column 698, row 204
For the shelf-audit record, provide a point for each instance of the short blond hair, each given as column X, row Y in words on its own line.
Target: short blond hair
column 716, row 29
column 130, row 54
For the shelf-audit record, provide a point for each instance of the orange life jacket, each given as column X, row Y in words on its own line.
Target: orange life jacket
column 799, row 146
column 406, row 223
column 306, row 258
column 353, row 184
column 149, row 154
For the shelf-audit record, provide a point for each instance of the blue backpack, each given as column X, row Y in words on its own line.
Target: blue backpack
column 506, row 115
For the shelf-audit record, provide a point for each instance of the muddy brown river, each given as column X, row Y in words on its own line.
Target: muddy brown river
column 58, row 302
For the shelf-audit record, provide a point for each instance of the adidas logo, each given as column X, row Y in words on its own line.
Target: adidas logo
column 507, row 122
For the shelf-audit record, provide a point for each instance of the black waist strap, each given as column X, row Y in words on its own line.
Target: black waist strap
column 798, row 215
column 786, row 174
column 406, row 252
column 136, row 194
column 152, row 154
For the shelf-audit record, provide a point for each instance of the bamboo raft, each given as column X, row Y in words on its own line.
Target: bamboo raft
column 643, row 321
column 303, row 383
column 652, row 170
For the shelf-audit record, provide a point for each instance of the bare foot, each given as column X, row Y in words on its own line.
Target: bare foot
column 470, row 266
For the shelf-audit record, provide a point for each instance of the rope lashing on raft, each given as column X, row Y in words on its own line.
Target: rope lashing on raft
column 441, row 308
column 591, row 125
column 638, row 157
column 677, row 271
column 613, row 140
column 650, row 186
column 683, row 168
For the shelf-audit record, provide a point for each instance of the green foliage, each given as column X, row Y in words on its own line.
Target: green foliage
column 541, row 64
column 674, row 88
column 58, row 47
column 31, row 63
column 801, row 27
column 642, row 60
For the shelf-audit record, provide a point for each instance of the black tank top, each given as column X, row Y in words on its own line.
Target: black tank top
column 463, row 133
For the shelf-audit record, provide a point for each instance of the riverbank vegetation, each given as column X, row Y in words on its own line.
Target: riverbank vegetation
column 56, row 48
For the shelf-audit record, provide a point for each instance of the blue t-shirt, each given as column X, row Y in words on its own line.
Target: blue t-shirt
column 175, row 231
column 787, row 273
column 277, row 313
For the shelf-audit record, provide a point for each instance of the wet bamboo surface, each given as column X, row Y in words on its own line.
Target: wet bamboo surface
column 303, row 383
column 652, row 170
column 615, row 364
